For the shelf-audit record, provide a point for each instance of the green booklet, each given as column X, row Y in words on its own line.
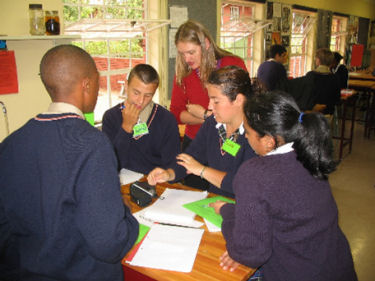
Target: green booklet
column 143, row 229
column 202, row 209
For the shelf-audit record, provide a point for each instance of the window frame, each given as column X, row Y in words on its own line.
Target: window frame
column 113, row 76
column 246, row 51
column 339, row 36
column 307, row 36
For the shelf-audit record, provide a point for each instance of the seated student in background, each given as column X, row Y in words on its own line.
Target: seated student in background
column 271, row 76
column 144, row 134
column 326, row 85
column 60, row 203
column 220, row 145
column 285, row 218
column 340, row 70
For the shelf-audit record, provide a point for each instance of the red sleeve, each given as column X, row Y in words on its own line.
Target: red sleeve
column 178, row 100
column 233, row 60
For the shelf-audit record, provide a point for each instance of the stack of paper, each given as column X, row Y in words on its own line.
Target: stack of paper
column 128, row 176
column 168, row 247
column 169, row 208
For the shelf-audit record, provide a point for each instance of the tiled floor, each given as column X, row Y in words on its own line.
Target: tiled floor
column 353, row 186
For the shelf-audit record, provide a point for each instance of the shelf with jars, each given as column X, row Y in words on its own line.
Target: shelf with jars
column 40, row 37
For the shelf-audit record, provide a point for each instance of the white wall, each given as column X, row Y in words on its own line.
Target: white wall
column 32, row 98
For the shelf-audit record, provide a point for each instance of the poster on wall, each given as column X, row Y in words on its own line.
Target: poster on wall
column 276, row 24
column 178, row 15
column 357, row 55
column 276, row 38
column 8, row 73
column 285, row 19
column 285, row 41
column 269, row 10
column 276, row 10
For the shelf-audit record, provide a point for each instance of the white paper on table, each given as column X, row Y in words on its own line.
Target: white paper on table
column 128, row 176
column 140, row 216
column 211, row 227
column 169, row 207
column 169, row 247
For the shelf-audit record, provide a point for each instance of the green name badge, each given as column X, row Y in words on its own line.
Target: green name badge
column 231, row 147
column 140, row 130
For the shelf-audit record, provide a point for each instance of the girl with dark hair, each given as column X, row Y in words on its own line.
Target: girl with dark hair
column 285, row 218
column 220, row 145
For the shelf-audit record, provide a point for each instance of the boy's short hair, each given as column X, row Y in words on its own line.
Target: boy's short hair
column 146, row 73
column 325, row 56
column 276, row 50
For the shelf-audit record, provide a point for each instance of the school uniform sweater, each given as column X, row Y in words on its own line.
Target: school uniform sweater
column 206, row 149
column 192, row 91
column 343, row 74
column 286, row 221
column 326, row 88
column 60, row 201
column 158, row 148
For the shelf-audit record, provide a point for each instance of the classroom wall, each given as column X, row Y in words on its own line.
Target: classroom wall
column 360, row 8
column 32, row 98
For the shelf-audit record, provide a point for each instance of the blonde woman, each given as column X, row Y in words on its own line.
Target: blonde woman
column 197, row 56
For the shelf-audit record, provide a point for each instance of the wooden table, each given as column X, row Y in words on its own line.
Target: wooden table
column 368, row 88
column 361, row 76
column 361, row 85
column 206, row 266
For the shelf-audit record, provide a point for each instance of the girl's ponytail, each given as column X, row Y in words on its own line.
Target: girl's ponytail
column 276, row 114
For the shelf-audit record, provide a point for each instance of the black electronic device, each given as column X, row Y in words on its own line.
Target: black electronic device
column 142, row 193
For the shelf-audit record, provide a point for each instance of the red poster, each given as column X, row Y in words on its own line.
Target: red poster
column 8, row 73
column 357, row 54
column 276, row 38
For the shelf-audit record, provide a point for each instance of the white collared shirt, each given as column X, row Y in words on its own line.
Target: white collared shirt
column 285, row 148
column 241, row 129
column 63, row 107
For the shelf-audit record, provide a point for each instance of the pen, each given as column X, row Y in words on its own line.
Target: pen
column 122, row 106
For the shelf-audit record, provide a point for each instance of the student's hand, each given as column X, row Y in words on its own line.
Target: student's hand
column 130, row 115
column 159, row 175
column 196, row 110
column 226, row 262
column 217, row 205
column 191, row 165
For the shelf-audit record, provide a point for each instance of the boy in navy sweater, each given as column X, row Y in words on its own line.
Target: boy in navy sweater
column 144, row 134
column 61, row 212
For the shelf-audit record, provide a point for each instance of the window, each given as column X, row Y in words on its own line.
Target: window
column 104, row 26
column 236, row 33
column 302, row 28
column 234, row 12
column 338, row 34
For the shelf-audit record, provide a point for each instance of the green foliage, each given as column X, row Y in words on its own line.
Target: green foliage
column 74, row 10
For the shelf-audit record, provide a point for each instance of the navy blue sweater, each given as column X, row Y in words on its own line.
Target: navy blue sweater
column 326, row 88
column 286, row 221
column 158, row 148
column 60, row 201
column 206, row 149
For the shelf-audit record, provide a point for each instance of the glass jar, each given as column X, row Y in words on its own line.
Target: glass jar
column 52, row 21
column 36, row 19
